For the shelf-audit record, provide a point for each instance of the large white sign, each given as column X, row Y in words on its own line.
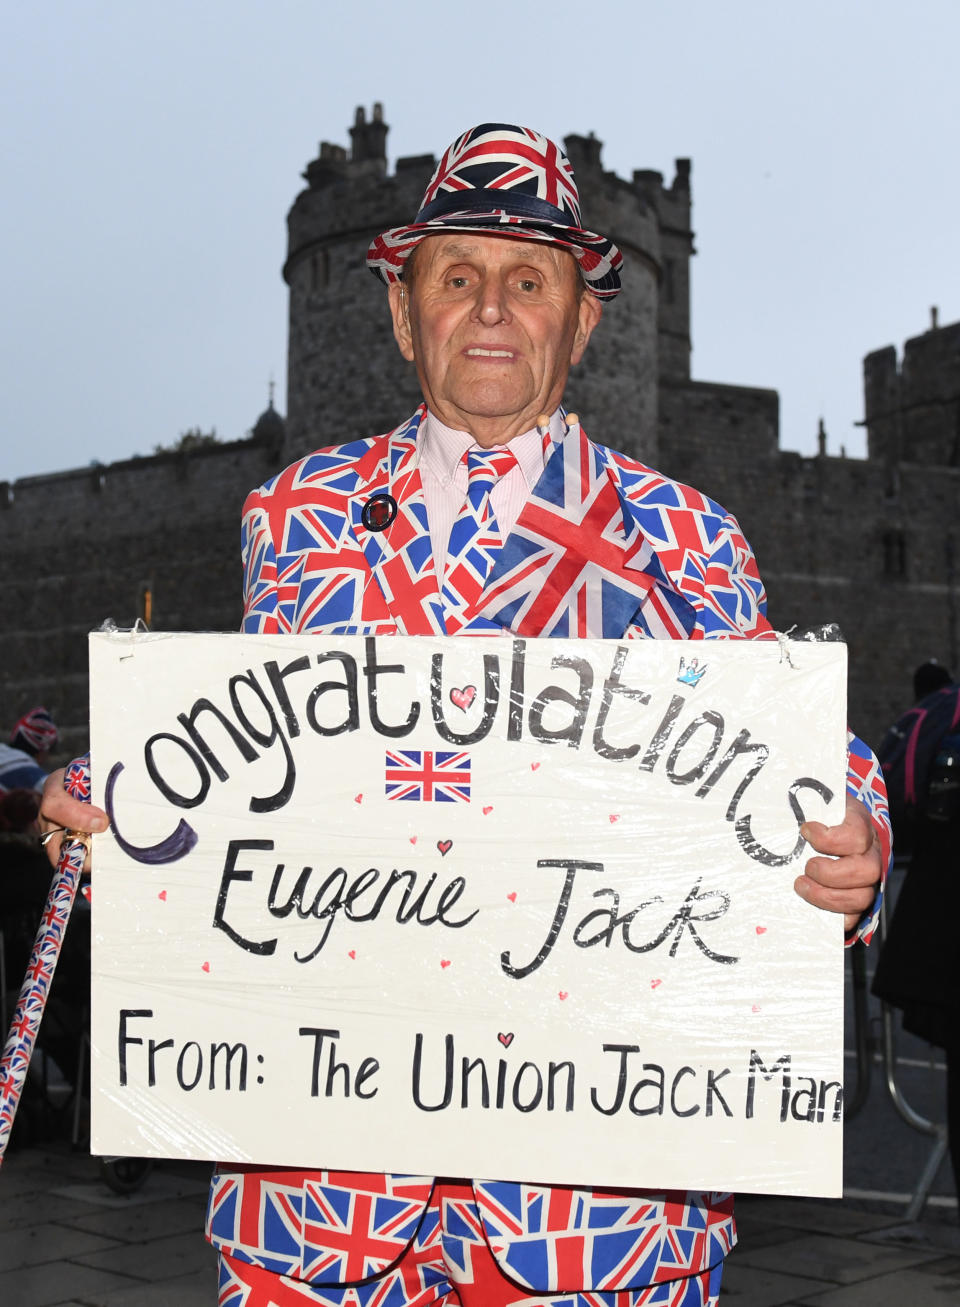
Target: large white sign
column 482, row 906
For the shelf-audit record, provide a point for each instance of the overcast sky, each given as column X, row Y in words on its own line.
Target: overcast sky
column 152, row 148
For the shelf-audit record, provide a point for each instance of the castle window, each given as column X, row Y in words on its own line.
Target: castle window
column 894, row 553
column 669, row 283
column 319, row 269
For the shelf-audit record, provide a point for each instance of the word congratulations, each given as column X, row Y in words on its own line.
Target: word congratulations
column 261, row 711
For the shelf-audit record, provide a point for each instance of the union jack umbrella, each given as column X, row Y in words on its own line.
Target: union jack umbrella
column 43, row 960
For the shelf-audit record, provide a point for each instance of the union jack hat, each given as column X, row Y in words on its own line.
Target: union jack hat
column 36, row 731
column 504, row 181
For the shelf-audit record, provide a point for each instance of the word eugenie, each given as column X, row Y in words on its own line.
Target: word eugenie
column 260, row 712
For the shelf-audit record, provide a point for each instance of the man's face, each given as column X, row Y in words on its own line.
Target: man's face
column 493, row 325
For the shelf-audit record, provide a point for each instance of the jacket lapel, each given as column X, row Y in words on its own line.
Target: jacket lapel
column 399, row 557
column 583, row 560
column 577, row 563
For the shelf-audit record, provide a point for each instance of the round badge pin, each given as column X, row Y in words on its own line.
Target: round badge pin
column 378, row 512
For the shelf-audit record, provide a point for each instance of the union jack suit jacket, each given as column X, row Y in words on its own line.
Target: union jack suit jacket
column 603, row 547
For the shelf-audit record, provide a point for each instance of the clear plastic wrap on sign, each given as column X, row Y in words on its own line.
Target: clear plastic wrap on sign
column 473, row 906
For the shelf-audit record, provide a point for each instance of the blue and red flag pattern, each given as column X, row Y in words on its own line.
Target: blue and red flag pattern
column 32, row 1000
column 499, row 156
column 501, row 179
column 604, row 547
column 451, row 1241
column 428, row 775
column 475, row 538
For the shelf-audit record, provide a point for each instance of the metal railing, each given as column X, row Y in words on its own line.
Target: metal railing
column 866, row 1049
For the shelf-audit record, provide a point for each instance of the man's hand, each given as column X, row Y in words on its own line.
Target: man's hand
column 58, row 811
column 847, row 880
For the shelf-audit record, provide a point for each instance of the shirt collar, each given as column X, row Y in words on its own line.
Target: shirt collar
column 441, row 449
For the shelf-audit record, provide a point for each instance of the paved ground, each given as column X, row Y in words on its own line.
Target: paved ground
column 67, row 1241
column 883, row 1156
column 65, row 1238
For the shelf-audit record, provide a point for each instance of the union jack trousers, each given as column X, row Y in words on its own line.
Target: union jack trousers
column 604, row 547
column 449, row 1257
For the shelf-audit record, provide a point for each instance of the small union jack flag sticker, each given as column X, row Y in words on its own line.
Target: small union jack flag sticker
column 428, row 776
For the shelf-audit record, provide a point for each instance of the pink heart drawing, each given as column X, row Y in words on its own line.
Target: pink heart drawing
column 162, row 895
column 506, row 1040
column 358, row 798
column 413, row 839
column 205, row 967
column 352, row 953
column 512, row 896
column 614, row 816
column 562, row 994
column 534, row 766
column 444, row 846
column 488, row 809
column 444, row 962
column 655, row 983
column 761, row 930
column 463, row 698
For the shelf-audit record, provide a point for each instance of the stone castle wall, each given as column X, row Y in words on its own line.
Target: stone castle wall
column 870, row 544
column 912, row 406
column 82, row 547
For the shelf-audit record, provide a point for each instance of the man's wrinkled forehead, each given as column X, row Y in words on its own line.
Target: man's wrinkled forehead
column 465, row 247
column 508, row 249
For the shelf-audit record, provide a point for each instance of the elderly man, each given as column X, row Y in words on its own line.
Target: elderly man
column 489, row 510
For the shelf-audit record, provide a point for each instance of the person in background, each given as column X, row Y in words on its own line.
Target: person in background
column 23, row 770
column 918, row 970
column 928, row 678
column 24, row 761
column 24, row 883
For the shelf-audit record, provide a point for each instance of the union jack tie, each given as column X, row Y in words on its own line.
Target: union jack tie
column 475, row 536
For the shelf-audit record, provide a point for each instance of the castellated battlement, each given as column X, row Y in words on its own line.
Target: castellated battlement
column 913, row 406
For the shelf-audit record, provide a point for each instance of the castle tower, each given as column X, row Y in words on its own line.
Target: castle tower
column 913, row 407
column 672, row 207
column 345, row 375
